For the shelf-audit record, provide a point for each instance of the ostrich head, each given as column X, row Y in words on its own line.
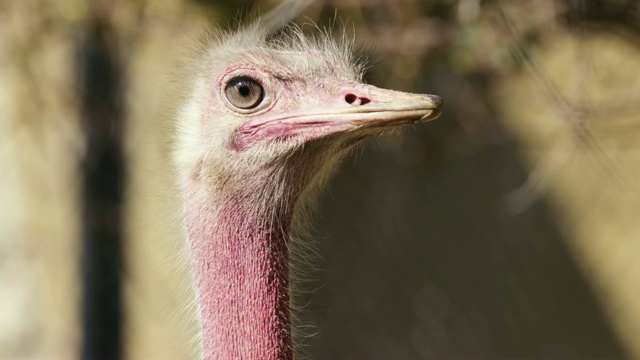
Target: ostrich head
column 266, row 120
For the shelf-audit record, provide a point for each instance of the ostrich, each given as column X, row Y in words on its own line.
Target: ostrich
column 267, row 119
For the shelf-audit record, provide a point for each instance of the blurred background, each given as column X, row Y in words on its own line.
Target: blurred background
column 506, row 228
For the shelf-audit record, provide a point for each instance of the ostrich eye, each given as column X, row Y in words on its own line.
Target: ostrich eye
column 244, row 92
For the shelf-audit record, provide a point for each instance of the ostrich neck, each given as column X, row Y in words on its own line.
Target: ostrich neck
column 240, row 266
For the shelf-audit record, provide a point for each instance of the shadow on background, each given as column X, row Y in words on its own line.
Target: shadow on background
column 426, row 262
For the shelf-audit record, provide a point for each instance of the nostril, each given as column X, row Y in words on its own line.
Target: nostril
column 355, row 100
column 350, row 98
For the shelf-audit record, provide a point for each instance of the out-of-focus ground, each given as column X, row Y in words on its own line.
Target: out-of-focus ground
column 505, row 228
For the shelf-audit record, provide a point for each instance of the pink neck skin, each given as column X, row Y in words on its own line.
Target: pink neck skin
column 240, row 265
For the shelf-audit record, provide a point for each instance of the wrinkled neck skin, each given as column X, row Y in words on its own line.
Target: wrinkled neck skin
column 238, row 237
column 240, row 267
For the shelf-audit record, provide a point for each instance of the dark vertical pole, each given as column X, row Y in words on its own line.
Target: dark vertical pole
column 103, row 171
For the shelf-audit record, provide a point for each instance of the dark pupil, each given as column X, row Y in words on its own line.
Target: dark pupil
column 244, row 90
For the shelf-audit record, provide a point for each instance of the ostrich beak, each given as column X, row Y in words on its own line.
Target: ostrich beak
column 368, row 106
column 351, row 108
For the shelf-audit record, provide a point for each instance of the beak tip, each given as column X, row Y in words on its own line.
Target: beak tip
column 437, row 101
column 436, row 109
